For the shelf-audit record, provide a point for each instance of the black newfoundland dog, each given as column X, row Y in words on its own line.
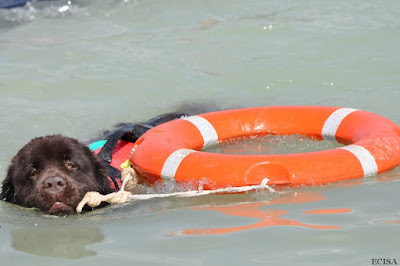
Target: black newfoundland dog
column 53, row 173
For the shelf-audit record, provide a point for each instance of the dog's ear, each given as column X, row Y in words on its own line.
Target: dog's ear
column 7, row 189
column 101, row 174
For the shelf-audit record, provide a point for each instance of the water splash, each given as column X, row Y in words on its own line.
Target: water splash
column 34, row 10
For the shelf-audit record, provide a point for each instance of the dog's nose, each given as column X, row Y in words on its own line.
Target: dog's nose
column 54, row 185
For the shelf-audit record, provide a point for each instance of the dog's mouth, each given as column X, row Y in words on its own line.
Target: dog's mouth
column 60, row 208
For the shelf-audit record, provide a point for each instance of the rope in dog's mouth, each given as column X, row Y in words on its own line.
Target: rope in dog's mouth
column 130, row 180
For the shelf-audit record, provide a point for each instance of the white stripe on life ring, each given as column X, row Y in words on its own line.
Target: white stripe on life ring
column 206, row 130
column 172, row 163
column 333, row 122
column 366, row 159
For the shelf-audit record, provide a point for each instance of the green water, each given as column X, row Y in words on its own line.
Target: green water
column 78, row 67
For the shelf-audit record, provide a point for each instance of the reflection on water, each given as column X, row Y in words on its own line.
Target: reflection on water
column 329, row 211
column 270, row 217
column 62, row 242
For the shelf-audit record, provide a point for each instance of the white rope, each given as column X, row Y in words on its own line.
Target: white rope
column 94, row 199
column 125, row 181
column 186, row 194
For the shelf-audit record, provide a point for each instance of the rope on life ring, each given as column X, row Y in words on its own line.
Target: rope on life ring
column 94, row 199
column 173, row 152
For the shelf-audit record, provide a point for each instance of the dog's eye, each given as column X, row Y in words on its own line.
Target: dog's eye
column 70, row 165
column 34, row 172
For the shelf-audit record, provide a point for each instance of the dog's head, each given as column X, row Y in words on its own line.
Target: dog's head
column 52, row 174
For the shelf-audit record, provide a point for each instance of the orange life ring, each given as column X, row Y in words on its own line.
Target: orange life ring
column 172, row 151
